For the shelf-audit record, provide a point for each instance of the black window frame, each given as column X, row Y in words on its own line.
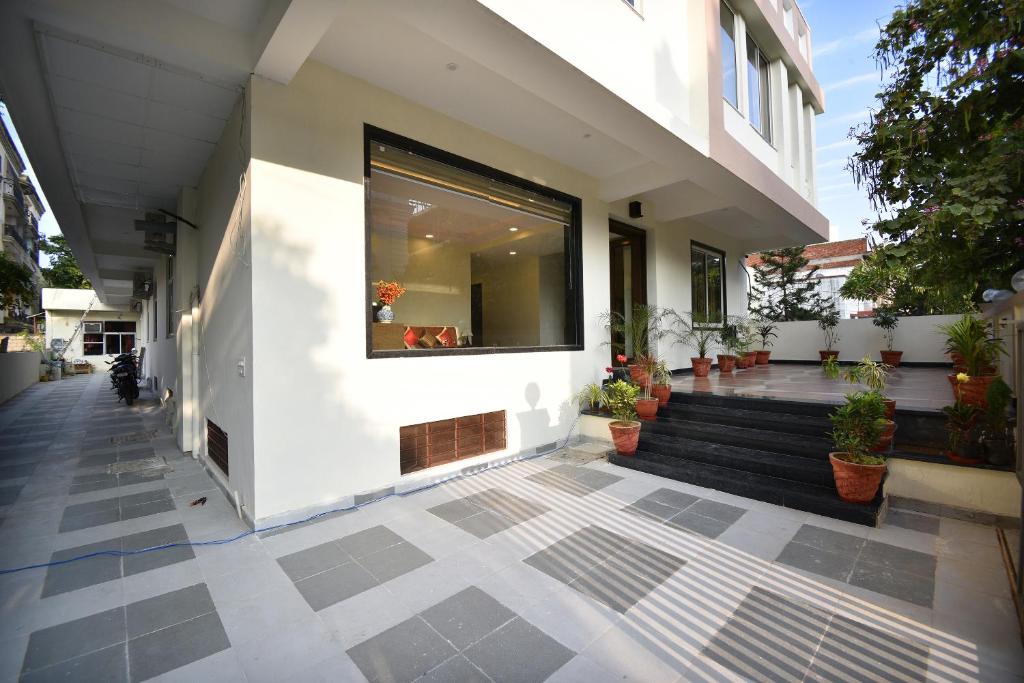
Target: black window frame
column 574, row 246
column 725, row 289
column 764, row 91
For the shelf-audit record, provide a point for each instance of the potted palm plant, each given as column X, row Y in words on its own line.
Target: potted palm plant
column 766, row 332
column 697, row 332
column 662, row 388
column 961, row 419
column 974, row 348
column 868, row 373
column 828, row 322
column 888, row 321
column 856, row 427
column 635, row 336
column 748, row 337
column 997, row 437
column 625, row 429
column 728, row 340
column 592, row 397
column 647, row 403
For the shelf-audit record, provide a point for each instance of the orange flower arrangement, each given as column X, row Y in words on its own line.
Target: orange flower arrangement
column 388, row 292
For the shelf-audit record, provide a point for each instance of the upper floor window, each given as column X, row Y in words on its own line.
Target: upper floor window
column 758, row 94
column 707, row 283
column 730, row 88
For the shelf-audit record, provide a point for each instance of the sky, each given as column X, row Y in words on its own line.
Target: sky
column 843, row 34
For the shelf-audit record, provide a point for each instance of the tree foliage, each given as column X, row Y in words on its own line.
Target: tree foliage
column 885, row 276
column 943, row 157
column 63, row 272
column 783, row 289
column 16, row 285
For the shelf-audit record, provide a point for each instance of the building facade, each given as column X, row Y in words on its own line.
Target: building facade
column 514, row 178
column 19, row 219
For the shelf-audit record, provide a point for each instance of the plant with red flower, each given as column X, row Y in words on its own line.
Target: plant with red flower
column 388, row 292
column 621, row 358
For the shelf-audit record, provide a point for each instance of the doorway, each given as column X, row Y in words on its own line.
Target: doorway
column 627, row 265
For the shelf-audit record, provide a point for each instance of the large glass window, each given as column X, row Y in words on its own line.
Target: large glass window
column 707, row 283
column 758, row 95
column 109, row 337
column 729, row 81
column 486, row 261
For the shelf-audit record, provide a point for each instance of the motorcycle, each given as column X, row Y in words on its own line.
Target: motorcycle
column 124, row 377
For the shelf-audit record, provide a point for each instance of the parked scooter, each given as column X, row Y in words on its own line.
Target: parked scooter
column 124, row 376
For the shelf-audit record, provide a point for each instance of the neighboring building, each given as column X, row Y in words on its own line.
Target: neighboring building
column 19, row 219
column 835, row 261
column 106, row 330
column 244, row 172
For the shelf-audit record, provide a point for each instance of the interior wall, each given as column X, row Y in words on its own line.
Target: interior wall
column 436, row 278
column 510, row 290
column 551, row 271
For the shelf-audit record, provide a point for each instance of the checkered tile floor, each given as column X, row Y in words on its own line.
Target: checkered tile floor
column 559, row 569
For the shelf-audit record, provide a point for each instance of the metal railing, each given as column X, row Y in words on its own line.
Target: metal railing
column 11, row 187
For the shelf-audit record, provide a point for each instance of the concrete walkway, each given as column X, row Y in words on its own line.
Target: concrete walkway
column 555, row 569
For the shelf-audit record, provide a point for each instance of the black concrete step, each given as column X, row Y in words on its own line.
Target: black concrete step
column 759, row 404
column 790, row 423
column 798, row 495
column 773, row 440
column 817, row 472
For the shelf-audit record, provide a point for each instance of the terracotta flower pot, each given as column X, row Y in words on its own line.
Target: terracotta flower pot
column 973, row 391
column 960, row 365
column 662, row 392
column 890, row 408
column 751, row 358
column 891, row 358
column 701, row 366
column 856, row 483
column 626, row 436
column 639, row 375
column 647, row 408
column 963, row 459
column 726, row 363
column 762, row 356
column 825, row 355
column 884, row 442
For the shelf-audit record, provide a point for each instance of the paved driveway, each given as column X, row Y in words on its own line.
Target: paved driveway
column 555, row 569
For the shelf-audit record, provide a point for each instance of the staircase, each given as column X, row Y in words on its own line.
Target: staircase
column 766, row 449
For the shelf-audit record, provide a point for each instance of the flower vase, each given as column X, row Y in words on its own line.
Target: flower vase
column 385, row 314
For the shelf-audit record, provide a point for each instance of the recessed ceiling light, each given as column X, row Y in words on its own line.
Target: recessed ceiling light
column 451, row 66
column 429, row 237
column 513, row 229
column 511, row 253
column 586, row 135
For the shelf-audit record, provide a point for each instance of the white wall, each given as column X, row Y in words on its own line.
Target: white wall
column 61, row 324
column 917, row 337
column 18, row 371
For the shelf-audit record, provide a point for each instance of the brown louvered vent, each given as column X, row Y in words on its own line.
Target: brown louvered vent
column 435, row 443
column 217, row 445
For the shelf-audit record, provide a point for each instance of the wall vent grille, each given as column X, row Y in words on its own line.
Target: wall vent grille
column 217, row 445
column 435, row 443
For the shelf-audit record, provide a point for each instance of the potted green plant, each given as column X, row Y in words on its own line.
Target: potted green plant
column 647, row 403
column 828, row 322
column 856, row 427
column 696, row 332
column 974, row 348
column 728, row 340
column 888, row 321
column 592, row 396
column 662, row 386
column 867, row 373
column 766, row 332
column 961, row 419
column 625, row 428
column 748, row 338
column 635, row 336
column 997, row 437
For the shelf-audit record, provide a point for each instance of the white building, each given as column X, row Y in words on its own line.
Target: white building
column 106, row 329
column 484, row 154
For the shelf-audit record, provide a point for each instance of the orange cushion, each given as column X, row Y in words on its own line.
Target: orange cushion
column 447, row 337
column 410, row 338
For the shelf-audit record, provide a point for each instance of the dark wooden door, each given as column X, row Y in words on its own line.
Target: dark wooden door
column 476, row 313
column 627, row 267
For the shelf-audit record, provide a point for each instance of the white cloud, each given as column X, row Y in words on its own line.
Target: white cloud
column 836, row 186
column 852, row 117
column 837, row 145
column 853, row 80
column 825, row 49
column 832, row 162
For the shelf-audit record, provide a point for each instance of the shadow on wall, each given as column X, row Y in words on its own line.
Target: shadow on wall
column 535, row 424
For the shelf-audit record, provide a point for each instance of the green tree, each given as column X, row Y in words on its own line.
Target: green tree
column 886, row 277
column 63, row 272
column 784, row 287
column 16, row 283
column 943, row 157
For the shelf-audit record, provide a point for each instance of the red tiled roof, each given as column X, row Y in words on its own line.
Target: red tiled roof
column 856, row 247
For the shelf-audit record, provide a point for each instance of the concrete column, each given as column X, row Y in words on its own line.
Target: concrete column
column 185, row 298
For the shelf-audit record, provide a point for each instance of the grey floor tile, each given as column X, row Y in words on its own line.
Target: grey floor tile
column 82, row 573
column 560, row 482
column 458, row 668
column 913, row 588
column 152, row 614
column 394, row 561
column 500, row 655
column 402, row 653
column 900, row 559
column 369, row 541
column 817, row 561
column 146, row 509
column 467, row 616
column 508, row 504
column 9, row 494
column 306, row 563
column 911, row 520
column 95, row 506
column 595, row 479
column 698, row 524
column 17, row 471
column 175, row 646
column 720, row 511
column 672, row 498
column 144, row 497
column 142, row 562
column 454, row 510
column 651, row 509
column 109, row 665
column 613, row 587
column 71, row 639
column 852, row 650
column 485, row 524
column 827, row 539
column 78, row 522
column 334, row 585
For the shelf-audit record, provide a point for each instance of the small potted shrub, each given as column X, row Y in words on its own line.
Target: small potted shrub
column 856, row 427
column 635, row 336
column 997, row 437
column 592, row 396
column 888, row 321
column 625, row 428
column 662, row 388
column 828, row 322
column 698, row 333
column 728, row 340
column 647, row 403
column 961, row 419
column 868, row 373
column 975, row 350
column 765, row 332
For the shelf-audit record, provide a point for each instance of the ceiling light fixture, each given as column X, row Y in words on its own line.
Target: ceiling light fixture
column 586, row 136
column 429, row 236
column 513, row 229
column 451, row 66
column 511, row 253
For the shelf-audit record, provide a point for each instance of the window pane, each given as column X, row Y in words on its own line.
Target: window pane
column 93, row 349
column 714, row 275
column 113, row 342
column 698, row 284
column 766, row 116
column 483, row 263
column 753, row 86
column 729, row 88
